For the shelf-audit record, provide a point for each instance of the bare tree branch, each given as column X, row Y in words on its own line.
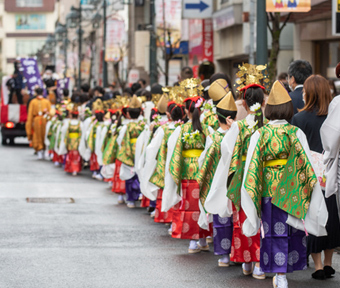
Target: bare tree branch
column 286, row 20
column 270, row 28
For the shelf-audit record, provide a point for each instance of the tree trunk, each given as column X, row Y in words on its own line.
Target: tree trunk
column 274, row 53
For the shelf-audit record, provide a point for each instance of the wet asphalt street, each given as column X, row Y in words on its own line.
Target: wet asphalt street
column 94, row 242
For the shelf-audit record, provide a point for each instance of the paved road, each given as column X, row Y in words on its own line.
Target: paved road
column 94, row 242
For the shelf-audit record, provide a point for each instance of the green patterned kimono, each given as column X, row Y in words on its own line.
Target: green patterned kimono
column 238, row 162
column 111, row 150
column 60, row 124
column 289, row 184
column 184, row 160
column 126, row 153
column 72, row 138
column 91, row 140
column 211, row 120
column 51, row 134
column 208, row 169
column 158, row 176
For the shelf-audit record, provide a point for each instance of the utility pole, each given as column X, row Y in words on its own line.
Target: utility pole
column 65, row 51
column 105, row 80
column 261, row 43
column 153, row 48
column 79, row 48
column 252, row 32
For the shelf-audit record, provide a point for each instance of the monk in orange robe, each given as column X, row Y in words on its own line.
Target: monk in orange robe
column 36, row 122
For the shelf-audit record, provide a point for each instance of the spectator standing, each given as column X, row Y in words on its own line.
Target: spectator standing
column 317, row 97
column 298, row 72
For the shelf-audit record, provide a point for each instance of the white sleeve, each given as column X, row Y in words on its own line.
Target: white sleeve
column 217, row 201
column 139, row 151
column 84, row 151
column 208, row 143
column 56, row 148
column 139, row 165
column 98, row 145
column 317, row 214
column 121, row 135
column 252, row 224
column 148, row 189
column 63, row 131
column 211, row 130
column 126, row 172
column 170, row 196
column 46, row 140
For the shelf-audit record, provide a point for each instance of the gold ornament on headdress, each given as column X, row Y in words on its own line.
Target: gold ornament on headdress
column 192, row 87
column 108, row 103
column 251, row 74
column 177, row 94
column 122, row 100
column 98, row 105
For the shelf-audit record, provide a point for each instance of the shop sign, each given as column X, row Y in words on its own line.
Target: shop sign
column 115, row 38
column 288, row 5
column 197, row 9
column 30, row 22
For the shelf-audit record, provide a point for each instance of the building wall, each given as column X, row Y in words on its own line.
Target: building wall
column 13, row 37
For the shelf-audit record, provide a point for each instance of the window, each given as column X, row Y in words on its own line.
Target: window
column 28, row 47
column 29, row 3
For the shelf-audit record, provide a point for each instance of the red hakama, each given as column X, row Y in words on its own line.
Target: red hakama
column 118, row 186
column 73, row 162
column 184, row 220
column 58, row 158
column 243, row 248
column 162, row 217
column 94, row 166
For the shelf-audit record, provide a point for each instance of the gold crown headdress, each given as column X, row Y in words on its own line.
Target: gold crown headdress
column 192, row 87
column 251, row 74
column 98, row 105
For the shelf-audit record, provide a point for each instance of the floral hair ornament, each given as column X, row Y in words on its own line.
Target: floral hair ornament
column 199, row 103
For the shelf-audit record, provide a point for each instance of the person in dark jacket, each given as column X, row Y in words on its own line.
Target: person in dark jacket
column 298, row 72
column 317, row 97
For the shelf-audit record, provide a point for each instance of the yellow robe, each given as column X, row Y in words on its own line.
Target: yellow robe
column 36, row 122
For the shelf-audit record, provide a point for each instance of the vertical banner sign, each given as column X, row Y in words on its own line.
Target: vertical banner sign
column 208, row 40
column 115, row 38
column 30, row 70
column 61, row 85
column 288, row 5
column 171, row 21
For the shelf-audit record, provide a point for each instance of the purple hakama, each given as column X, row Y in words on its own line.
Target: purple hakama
column 283, row 248
column 223, row 234
column 132, row 189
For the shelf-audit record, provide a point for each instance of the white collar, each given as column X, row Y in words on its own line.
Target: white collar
column 222, row 131
column 278, row 122
column 171, row 125
column 298, row 86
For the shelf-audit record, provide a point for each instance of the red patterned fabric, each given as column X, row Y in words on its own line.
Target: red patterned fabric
column 162, row 217
column 58, row 158
column 243, row 249
column 73, row 162
column 94, row 166
column 118, row 186
column 145, row 203
column 184, row 220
